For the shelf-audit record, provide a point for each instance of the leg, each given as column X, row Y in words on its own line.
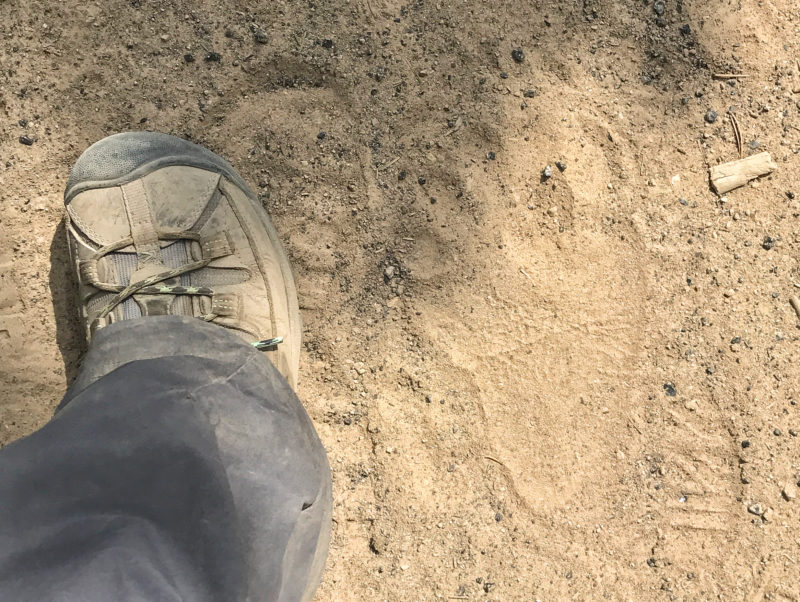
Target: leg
column 180, row 466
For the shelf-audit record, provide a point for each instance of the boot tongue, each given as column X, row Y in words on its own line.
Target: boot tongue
column 154, row 305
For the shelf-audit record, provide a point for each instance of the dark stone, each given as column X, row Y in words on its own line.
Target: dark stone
column 768, row 243
column 670, row 390
column 561, row 166
column 503, row 75
column 421, row 181
column 321, row 135
column 745, row 444
column 213, row 57
column 518, row 55
column 529, row 93
column 26, row 140
column 491, row 155
column 260, row 36
column 327, row 43
column 188, row 57
column 711, row 116
column 790, row 195
column 685, row 29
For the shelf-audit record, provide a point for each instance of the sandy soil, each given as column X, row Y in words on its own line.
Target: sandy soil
column 562, row 388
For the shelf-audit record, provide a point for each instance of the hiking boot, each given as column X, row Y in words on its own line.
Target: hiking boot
column 160, row 226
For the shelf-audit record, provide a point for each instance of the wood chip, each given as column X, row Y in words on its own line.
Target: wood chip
column 737, row 173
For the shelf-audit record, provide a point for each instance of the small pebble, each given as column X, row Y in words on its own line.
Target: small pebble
column 684, row 202
column 388, row 271
column 790, row 195
column 23, row 123
column 755, row 509
column 754, row 144
column 546, row 173
column 658, row 7
column 188, row 57
column 670, row 390
column 529, row 93
column 498, row 517
column 518, row 55
column 260, row 36
column 768, row 243
column 326, row 43
column 776, row 432
column 321, row 135
column 213, row 57
column 421, row 181
column 503, row 75
column 26, row 140
column 745, row 444
column 685, row 29
column 789, row 491
column 711, row 116
column 491, row 155
column 561, row 166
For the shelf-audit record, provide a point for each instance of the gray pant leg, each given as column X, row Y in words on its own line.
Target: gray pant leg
column 180, row 466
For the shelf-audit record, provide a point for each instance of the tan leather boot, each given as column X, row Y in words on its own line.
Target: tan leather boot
column 158, row 225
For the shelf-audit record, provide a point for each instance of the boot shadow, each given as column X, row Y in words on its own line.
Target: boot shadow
column 64, row 290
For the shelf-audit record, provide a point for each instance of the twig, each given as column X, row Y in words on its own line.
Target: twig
column 729, row 75
column 736, row 133
column 494, row 460
column 796, row 305
column 389, row 164
column 526, row 274
column 458, row 125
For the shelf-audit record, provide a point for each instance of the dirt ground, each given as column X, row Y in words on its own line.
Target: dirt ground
column 569, row 388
